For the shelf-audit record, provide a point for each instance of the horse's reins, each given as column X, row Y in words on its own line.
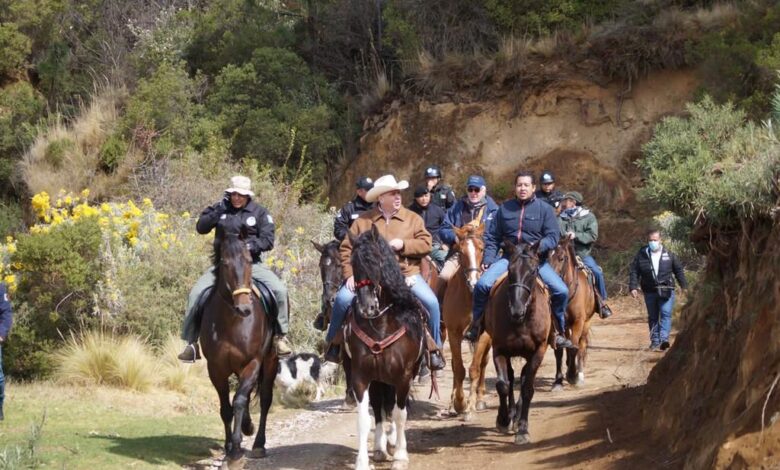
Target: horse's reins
column 572, row 268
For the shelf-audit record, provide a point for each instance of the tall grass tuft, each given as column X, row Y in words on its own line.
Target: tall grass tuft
column 88, row 358
column 172, row 374
column 134, row 365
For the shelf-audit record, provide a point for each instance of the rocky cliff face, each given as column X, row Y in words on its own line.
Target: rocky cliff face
column 588, row 134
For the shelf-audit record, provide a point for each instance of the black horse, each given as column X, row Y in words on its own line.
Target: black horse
column 385, row 345
column 236, row 335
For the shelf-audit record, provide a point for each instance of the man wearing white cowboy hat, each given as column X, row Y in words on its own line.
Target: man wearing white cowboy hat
column 405, row 233
column 237, row 203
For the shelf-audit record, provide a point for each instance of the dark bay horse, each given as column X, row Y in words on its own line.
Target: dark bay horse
column 236, row 336
column 583, row 303
column 518, row 322
column 456, row 314
column 332, row 279
column 385, row 345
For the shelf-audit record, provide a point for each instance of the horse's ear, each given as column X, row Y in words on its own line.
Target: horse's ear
column 352, row 238
column 534, row 248
column 243, row 232
column 479, row 231
column 318, row 247
column 509, row 246
column 459, row 232
column 375, row 232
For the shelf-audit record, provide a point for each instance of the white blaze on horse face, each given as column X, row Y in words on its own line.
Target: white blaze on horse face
column 472, row 253
column 364, row 427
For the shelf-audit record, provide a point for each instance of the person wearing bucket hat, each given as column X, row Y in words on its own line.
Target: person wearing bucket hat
column 405, row 233
column 237, row 207
column 352, row 209
column 441, row 193
column 475, row 208
column 580, row 224
column 433, row 216
column 547, row 191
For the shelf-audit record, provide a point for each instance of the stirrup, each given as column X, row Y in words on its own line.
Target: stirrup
column 195, row 356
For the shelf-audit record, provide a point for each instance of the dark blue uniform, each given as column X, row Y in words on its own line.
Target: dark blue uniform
column 6, row 315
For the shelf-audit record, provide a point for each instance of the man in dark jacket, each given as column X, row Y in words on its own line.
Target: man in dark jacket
column 353, row 208
column 433, row 216
column 6, row 319
column 475, row 208
column 579, row 224
column 528, row 220
column 547, row 192
column 441, row 193
column 237, row 208
column 654, row 269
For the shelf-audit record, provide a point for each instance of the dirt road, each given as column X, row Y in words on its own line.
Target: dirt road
column 595, row 426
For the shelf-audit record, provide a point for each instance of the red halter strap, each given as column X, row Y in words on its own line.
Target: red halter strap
column 363, row 283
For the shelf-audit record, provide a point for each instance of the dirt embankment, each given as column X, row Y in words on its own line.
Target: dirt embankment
column 715, row 397
column 587, row 133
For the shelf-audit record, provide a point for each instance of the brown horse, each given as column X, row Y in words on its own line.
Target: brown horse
column 332, row 279
column 456, row 314
column 236, row 335
column 385, row 344
column 583, row 303
column 518, row 322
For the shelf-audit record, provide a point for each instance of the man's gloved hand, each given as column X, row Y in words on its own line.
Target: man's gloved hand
column 223, row 204
column 252, row 246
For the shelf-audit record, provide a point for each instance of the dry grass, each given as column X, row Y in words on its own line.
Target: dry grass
column 67, row 156
column 97, row 358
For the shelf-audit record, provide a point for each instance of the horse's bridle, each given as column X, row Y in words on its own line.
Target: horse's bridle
column 521, row 284
column 377, row 291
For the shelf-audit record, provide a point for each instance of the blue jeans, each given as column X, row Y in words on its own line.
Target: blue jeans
column 2, row 379
column 420, row 289
column 598, row 274
column 559, row 293
column 659, row 317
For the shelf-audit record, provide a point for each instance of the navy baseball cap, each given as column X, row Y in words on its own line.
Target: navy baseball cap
column 476, row 181
column 364, row 182
column 547, row 177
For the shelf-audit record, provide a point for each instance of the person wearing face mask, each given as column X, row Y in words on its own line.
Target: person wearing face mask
column 579, row 224
column 654, row 269
column 433, row 216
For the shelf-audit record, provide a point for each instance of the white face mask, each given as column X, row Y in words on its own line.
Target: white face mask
column 654, row 245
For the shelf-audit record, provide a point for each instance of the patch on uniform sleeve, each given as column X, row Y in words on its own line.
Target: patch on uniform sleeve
column 251, row 221
column 354, row 216
column 443, row 196
column 5, row 297
column 223, row 216
column 270, row 219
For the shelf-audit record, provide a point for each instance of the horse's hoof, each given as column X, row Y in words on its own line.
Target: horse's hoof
column 400, row 465
column 234, row 464
column 468, row 417
column 522, row 439
column 557, row 388
column 248, row 429
column 380, row 456
column 481, row 406
column 259, row 453
column 502, row 429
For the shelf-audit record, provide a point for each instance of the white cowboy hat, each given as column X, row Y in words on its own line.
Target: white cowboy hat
column 241, row 185
column 383, row 185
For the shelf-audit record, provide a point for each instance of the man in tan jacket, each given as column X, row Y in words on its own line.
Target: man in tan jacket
column 405, row 233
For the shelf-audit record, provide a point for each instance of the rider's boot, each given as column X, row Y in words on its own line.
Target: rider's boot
column 475, row 329
column 282, row 346
column 605, row 311
column 191, row 353
column 437, row 360
column 563, row 342
column 319, row 322
column 333, row 354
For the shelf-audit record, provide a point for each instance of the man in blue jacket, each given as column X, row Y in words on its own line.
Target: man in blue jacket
column 475, row 208
column 6, row 315
column 529, row 220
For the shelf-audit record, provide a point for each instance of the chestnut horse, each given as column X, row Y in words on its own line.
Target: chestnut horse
column 456, row 314
column 385, row 344
column 236, row 335
column 518, row 323
column 583, row 303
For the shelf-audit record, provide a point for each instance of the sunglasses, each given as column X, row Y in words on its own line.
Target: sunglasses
column 473, row 189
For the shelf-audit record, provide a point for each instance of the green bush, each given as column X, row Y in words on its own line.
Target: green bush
column 112, row 152
column 10, row 218
column 59, row 270
column 713, row 166
column 26, row 355
column 20, row 107
column 540, row 17
column 15, row 46
column 56, row 150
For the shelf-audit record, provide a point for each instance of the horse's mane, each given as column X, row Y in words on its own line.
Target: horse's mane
column 373, row 258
